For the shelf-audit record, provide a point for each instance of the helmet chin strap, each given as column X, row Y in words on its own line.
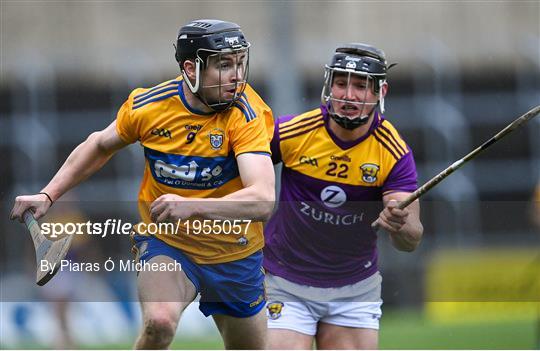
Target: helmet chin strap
column 351, row 124
column 344, row 121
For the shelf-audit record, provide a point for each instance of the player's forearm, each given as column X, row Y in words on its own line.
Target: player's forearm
column 84, row 160
column 408, row 238
column 254, row 202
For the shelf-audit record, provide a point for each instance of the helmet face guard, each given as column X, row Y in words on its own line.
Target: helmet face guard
column 365, row 108
column 231, row 70
column 219, row 51
column 363, row 62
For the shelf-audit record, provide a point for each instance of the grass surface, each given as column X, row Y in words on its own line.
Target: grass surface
column 409, row 330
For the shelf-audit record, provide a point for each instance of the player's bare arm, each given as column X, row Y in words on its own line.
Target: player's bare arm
column 404, row 226
column 86, row 159
column 255, row 201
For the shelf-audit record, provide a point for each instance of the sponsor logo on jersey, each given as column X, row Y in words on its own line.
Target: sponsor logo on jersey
column 341, row 158
column 326, row 217
column 162, row 132
column 333, row 196
column 274, row 309
column 172, row 171
column 193, row 127
column 191, row 172
column 312, row 161
column 216, row 137
column 369, row 172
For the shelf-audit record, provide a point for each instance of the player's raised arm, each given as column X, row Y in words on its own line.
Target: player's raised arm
column 86, row 159
column 404, row 226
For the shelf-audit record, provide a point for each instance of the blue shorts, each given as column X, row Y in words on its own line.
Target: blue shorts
column 233, row 288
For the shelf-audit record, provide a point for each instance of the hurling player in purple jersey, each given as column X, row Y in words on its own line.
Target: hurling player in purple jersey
column 339, row 161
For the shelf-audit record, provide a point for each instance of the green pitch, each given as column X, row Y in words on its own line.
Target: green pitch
column 409, row 330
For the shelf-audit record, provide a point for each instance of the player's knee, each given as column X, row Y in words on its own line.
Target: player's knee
column 159, row 332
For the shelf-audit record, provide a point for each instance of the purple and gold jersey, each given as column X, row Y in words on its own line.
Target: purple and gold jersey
column 193, row 154
column 331, row 192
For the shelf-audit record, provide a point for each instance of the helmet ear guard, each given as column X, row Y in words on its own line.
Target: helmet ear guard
column 193, row 88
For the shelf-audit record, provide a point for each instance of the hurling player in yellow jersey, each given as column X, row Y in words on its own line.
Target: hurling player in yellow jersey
column 339, row 161
column 206, row 137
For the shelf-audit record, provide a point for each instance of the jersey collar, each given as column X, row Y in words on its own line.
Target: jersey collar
column 186, row 104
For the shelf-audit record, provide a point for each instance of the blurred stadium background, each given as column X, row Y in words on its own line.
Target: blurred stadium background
column 466, row 69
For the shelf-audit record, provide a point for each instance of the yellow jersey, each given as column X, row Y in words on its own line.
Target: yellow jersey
column 379, row 162
column 193, row 154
